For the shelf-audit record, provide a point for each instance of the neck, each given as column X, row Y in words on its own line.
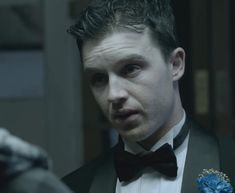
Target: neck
column 174, row 118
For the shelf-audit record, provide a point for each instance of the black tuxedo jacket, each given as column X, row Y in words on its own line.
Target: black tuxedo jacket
column 99, row 176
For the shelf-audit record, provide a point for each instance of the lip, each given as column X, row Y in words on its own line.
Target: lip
column 124, row 115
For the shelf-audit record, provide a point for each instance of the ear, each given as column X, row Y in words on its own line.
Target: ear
column 177, row 62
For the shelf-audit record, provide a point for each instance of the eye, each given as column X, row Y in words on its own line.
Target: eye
column 131, row 70
column 98, row 79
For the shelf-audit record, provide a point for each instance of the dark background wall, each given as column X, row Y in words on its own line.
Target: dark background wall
column 40, row 88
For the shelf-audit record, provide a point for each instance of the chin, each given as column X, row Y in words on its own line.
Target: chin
column 134, row 136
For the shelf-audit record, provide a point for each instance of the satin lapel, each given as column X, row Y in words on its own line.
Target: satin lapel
column 104, row 179
column 202, row 154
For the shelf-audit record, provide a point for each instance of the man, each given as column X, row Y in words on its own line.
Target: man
column 24, row 168
column 133, row 63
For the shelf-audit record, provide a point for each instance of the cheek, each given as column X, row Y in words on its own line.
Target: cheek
column 100, row 99
column 156, row 94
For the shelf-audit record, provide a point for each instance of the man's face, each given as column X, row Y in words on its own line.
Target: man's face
column 131, row 82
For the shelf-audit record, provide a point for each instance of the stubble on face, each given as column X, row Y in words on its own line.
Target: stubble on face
column 146, row 86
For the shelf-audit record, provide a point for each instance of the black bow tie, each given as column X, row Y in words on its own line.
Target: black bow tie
column 129, row 166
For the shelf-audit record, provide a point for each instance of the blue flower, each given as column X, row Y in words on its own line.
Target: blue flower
column 212, row 181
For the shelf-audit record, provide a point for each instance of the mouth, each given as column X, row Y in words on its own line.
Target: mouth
column 125, row 115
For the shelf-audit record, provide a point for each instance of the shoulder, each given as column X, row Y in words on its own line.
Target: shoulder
column 35, row 180
column 201, row 135
column 203, row 145
column 81, row 179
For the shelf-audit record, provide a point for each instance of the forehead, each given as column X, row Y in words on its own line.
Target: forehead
column 117, row 46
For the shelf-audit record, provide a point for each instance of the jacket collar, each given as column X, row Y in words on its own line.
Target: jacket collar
column 202, row 154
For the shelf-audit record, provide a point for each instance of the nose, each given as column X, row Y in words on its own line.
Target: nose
column 117, row 93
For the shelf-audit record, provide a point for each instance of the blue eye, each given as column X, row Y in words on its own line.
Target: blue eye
column 98, row 79
column 131, row 70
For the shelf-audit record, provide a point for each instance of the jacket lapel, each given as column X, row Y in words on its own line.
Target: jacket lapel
column 202, row 154
column 105, row 178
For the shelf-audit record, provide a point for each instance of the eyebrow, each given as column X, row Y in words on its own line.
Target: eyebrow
column 90, row 70
column 136, row 57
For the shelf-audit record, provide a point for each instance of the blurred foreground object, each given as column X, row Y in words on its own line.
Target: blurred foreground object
column 24, row 168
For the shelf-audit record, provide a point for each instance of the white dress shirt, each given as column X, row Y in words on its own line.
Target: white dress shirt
column 152, row 181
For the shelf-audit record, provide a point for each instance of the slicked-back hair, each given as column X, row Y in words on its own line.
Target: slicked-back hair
column 104, row 16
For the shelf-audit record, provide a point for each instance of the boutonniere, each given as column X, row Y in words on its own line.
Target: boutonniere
column 213, row 181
